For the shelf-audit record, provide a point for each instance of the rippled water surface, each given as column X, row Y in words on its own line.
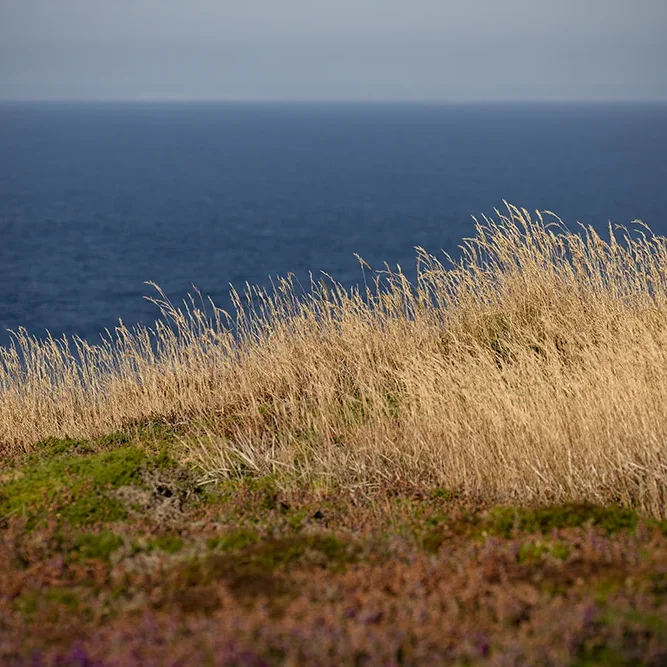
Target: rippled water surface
column 95, row 199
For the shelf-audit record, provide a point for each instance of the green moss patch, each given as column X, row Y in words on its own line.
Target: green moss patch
column 68, row 482
column 96, row 545
column 532, row 553
column 72, row 487
column 504, row 520
column 57, row 447
column 170, row 544
column 234, row 539
column 434, row 529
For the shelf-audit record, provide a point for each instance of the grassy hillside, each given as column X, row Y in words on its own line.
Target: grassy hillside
column 533, row 370
column 467, row 469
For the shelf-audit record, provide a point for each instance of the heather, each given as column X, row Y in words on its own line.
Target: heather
column 253, row 572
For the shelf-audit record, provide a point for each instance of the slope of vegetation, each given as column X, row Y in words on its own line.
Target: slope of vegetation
column 469, row 468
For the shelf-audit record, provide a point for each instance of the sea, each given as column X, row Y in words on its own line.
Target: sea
column 97, row 199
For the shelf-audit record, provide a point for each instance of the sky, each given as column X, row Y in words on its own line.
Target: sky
column 412, row 50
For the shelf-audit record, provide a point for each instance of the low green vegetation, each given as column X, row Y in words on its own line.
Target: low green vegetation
column 234, row 539
column 71, row 484
column 533, row 552
column 75, row 483
column 98, row 545
column 504, row 520
column 168, row 543
column 95, row 531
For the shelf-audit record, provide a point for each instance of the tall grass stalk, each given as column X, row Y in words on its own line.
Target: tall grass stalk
column 532, row 369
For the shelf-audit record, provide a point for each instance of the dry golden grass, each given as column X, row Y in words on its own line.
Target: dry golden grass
column 532, row 370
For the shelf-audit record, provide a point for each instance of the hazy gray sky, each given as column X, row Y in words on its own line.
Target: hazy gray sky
column 445, row 50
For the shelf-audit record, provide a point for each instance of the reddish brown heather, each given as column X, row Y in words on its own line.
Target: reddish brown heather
column 265, row 577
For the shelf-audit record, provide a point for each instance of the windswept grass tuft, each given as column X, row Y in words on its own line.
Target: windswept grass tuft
column 531, row 370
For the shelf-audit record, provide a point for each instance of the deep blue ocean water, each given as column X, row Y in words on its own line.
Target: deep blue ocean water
column 95, row 199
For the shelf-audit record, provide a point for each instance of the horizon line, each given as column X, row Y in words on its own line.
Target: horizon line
column 270, row 100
